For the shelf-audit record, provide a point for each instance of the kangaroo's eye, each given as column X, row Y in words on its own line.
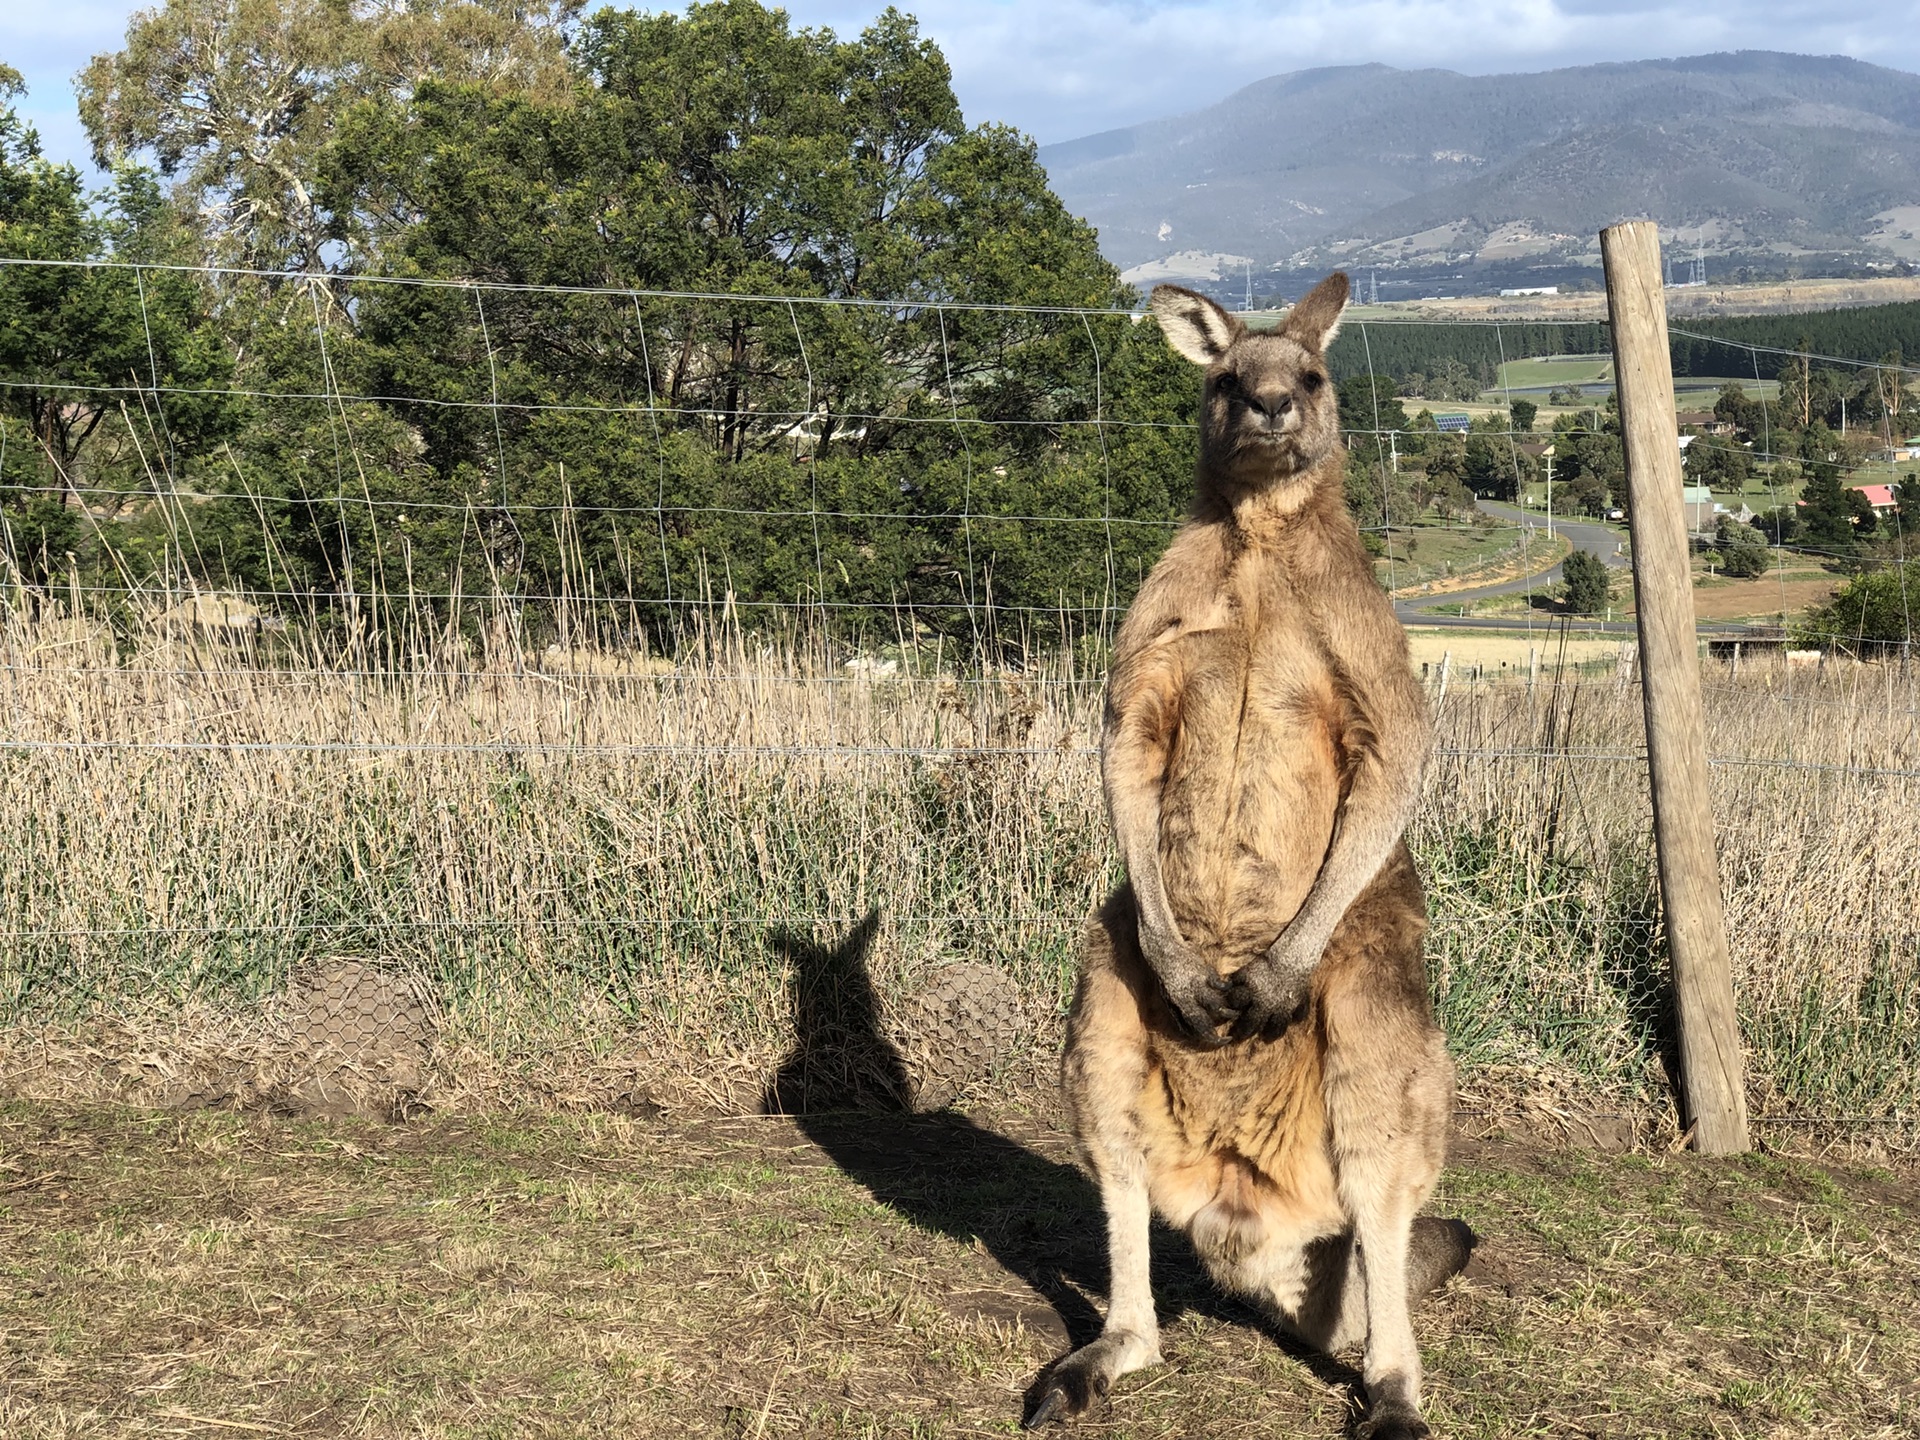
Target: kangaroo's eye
column 1227, row 383
column 1313, row 380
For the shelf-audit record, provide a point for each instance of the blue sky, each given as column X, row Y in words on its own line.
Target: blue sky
column 1063, row 68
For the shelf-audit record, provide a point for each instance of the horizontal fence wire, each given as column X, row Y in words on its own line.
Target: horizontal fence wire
column 548, row 407
column 1542, row 623
column 1104, row 420
column 331, row 279
column 1584, row 1116
column 858, row 674
column 330, row 628
column 799, row 918
column 587, row 509
column 777, row 750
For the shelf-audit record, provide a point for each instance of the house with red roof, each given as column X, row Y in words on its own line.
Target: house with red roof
column 1880, row 497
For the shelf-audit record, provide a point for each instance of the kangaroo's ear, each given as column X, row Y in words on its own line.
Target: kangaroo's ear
column 1316, row 319
column 1193, row 324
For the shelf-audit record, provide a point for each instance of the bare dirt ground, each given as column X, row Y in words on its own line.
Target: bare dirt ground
column 1760, row 598
column 215, row 1273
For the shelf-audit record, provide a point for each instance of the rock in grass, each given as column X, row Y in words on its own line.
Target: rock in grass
column 361, row 1032
column 953, row 1032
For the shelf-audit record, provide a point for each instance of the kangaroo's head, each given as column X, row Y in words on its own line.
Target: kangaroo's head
column 1270, row 412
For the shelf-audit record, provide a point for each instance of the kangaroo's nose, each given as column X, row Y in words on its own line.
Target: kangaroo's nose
column 1274, row 407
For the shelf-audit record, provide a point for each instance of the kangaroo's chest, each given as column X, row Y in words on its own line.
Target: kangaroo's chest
column 1255, row 769
column 1255, row 685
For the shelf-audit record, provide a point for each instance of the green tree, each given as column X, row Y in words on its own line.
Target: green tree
column 1446, row 458
column 1587, row 444
column 1866, row 520
column 1482, row 470
column 1836, row 397
column 1826, row 514
column 236, row 99
column 1589, row 493
column 1781, row 525
column 1373, row 418
column 1495, row 468
column 1876, row 610
column 1890, row 395
column 1451, row 379
column 1747, row 417
column 1370, row 403
column 93, row 349
column 722, row 153
column 1907, row 492
column 1451, row 499
column 1587, row 587
column 1522, row 413
column 1819, row 444
column 1797, row 406
column 1718, row 463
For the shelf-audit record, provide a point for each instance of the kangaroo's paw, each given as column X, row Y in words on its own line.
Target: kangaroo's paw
column 1086, row 1375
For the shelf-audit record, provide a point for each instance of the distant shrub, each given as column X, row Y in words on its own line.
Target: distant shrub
column 1873, row 611
column 1587, row 587
column 1743, row 549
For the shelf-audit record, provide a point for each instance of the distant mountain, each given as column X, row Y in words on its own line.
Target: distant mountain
column 1753, row 154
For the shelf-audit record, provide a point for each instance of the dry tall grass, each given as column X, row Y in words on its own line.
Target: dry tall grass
column 603, row 867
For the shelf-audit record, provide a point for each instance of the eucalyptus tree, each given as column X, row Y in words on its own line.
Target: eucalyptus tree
column 235, row 99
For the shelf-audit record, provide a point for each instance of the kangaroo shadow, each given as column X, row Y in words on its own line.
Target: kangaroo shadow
column 844, row 1084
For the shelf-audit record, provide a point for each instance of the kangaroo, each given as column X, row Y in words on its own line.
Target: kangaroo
column 1251, row 1050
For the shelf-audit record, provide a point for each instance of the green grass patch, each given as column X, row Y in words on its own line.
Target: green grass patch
column 1426, row 551
column 1552, row 371
column 874, row 1275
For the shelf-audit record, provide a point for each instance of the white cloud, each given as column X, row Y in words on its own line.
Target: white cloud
column 1070, row 67
column 1062, row 68
column 49, row 44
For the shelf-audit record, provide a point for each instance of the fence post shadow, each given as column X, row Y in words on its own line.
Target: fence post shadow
column 844, row 1082
column 1643, row 977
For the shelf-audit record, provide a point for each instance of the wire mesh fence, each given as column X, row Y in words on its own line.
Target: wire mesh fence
column 581, row 714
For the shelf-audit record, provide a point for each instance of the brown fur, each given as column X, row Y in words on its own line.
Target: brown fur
column 1252, row 1051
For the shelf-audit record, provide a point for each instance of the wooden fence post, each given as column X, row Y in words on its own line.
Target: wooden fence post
column 1712, row 1073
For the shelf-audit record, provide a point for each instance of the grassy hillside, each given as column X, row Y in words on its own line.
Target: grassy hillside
column 1713, row 346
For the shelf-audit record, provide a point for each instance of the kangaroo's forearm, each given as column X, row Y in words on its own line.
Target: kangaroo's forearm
column 1369, row 825
column 1133, row 770
column 1135, row 811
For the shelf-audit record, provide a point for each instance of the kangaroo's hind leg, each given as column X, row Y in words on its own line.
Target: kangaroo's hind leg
column 1389, row 1092
column 1104, row 1068
column 1317, row 1292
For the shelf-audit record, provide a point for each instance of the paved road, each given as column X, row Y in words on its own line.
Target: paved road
column 1596, row 540
column 1585, row 535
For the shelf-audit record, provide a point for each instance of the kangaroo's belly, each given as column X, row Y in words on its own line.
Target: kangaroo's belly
column 1253, row 788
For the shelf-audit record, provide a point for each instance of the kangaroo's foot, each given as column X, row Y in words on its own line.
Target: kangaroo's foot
column 1393, row 1410
column 1393, row 1423
column 1438, row 1250
column 1088, row 1373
